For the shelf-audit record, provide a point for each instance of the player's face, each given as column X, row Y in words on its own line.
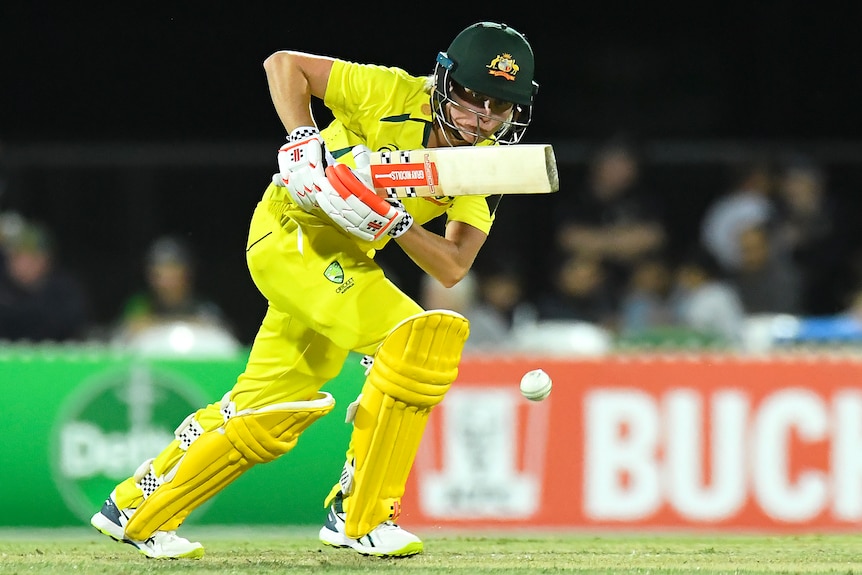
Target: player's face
column 477, row 116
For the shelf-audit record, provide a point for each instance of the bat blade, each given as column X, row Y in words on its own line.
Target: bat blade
column 466, row 170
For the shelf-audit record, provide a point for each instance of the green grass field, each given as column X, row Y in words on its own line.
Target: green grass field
column 265, row 551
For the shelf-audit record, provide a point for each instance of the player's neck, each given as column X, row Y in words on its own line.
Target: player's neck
column 436, row 139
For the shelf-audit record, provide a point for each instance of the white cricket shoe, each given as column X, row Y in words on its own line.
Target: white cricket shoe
column 332, row 532
column 385, row 540
column 111, row 521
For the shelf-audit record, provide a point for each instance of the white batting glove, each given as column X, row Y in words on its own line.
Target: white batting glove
column 300, row 164
column 352, row 205
column 362, row 160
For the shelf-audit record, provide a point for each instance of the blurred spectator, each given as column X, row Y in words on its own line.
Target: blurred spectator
column 646, row 303
column 4, row 178
column 767, row 280
column 170, row 295
column 703, row 301
column 748, row 201
column 851, row 283
column 580, row 294
column 612, row 218
column 500, row 308
column 815, row 231
column 854, row 308
column 458, row 298
column 39, row 300
column 11, row 225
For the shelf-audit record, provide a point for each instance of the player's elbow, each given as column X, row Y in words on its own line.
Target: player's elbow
column 276, row 60
column 452, row 277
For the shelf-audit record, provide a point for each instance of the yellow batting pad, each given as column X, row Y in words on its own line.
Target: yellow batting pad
column 413, row 369
column 218, row 457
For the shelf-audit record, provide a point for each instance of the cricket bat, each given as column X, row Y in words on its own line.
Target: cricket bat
column 465, row 170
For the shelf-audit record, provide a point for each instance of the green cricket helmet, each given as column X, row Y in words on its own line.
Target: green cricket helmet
column 491, row 66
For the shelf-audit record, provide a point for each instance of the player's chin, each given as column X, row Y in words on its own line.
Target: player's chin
column 472, row 138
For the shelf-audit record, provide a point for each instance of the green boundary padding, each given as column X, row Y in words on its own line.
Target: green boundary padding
column 42, row 386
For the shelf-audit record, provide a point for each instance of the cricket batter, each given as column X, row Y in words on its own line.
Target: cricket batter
column 310, row 251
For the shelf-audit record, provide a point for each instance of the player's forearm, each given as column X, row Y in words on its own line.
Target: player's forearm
column 445, row 260
column 292, row 82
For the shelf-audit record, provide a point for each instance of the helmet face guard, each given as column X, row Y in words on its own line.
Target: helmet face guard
column 513, row 118
column 488, row 72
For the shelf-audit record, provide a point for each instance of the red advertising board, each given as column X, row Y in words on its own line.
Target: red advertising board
column 651, row 442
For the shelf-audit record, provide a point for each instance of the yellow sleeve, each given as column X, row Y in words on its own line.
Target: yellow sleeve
column 384, row 107
column 478, row 211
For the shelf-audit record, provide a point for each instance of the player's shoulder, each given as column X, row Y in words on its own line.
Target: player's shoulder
column 377, row 71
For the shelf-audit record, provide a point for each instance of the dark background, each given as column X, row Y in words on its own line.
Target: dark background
column 128, row 121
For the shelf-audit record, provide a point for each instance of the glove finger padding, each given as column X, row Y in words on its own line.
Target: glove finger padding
column 337, row 209
column 300, row 164
column 351, row 205
column 399, row 220
column 362, row 159
column 353, row 185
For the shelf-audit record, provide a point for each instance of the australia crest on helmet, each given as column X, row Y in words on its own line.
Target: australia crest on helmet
column 503, row 65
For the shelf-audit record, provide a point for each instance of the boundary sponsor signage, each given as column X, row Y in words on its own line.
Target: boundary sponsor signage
column 79, row 421
column 648, row 442
column 709, row 442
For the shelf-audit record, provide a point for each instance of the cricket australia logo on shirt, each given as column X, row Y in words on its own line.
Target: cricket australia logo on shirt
column 335, row 273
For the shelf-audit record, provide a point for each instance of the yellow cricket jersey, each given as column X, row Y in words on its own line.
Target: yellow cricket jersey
column 385, row 108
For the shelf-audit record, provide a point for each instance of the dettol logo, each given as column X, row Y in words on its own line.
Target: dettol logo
column 114, row 421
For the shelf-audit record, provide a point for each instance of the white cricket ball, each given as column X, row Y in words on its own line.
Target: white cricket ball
column 536, row 385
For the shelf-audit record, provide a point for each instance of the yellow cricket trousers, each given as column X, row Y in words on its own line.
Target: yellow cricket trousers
column 326, row 297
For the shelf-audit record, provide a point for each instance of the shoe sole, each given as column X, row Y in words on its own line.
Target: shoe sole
column 333, row 538
column 334, row 545
column 406, row 551
column 193, row 554
column 411, row 549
